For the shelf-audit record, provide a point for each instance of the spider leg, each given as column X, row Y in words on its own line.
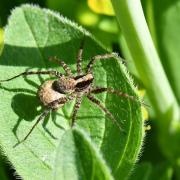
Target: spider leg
column 99, row 57
column 42, row 116
column 46, row 112
column 61, row 100
column 44, row 125
column 53, row 73
column 79, row 57
column 63, row 64
column 98, row 90
column 98, row 103
column 76, row 108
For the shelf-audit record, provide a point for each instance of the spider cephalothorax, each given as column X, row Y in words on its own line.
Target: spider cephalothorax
column 55, row 93
column 67, row 85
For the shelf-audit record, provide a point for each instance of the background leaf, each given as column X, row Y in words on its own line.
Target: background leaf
column 164, row 23
column 141, row 172
column 145, row 171
column 163, row 20
column 31, row 37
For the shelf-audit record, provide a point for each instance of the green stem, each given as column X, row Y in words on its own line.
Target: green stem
column 130, row 16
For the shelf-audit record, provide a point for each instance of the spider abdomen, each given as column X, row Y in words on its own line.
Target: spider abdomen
column 47, row 94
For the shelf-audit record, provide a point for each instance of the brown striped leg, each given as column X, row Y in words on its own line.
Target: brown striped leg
column 42, row 116
column 98, row 90
column 99, row 57
column 63, row 64
column 98, row 103
column 53, row 73
column 76, row 108
column 79, row 57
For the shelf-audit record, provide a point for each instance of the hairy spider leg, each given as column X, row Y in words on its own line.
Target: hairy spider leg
column 98, row 90
column 42, row 116
column 76, row 108
column 98, row 103
column 62, row 100
column 99, row 57
column 79, row 57
column 53, row 73
column 63, row 64
column 84, row 78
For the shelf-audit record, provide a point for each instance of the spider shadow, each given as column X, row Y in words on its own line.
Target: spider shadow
column 28, row 112
column 53, row 115
column 18, row 105
column 25, row 106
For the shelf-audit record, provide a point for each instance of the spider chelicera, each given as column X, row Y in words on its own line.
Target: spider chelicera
column 55, row 93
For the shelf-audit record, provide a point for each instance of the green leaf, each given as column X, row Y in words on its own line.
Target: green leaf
column 31, row 37
column 76, row 147
column 141, row 172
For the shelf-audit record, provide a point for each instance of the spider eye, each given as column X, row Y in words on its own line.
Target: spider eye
column 58, row 87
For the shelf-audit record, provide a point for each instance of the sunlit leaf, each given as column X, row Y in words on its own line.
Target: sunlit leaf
column 31, row 37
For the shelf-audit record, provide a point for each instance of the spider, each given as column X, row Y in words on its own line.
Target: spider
column 55, row 93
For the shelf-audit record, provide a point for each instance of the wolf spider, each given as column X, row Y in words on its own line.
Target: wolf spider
column 55, row 93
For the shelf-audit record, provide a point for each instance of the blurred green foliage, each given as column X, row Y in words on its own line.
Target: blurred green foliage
column 163, row 20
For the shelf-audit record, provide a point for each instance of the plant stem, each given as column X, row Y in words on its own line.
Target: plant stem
column 130, row 16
